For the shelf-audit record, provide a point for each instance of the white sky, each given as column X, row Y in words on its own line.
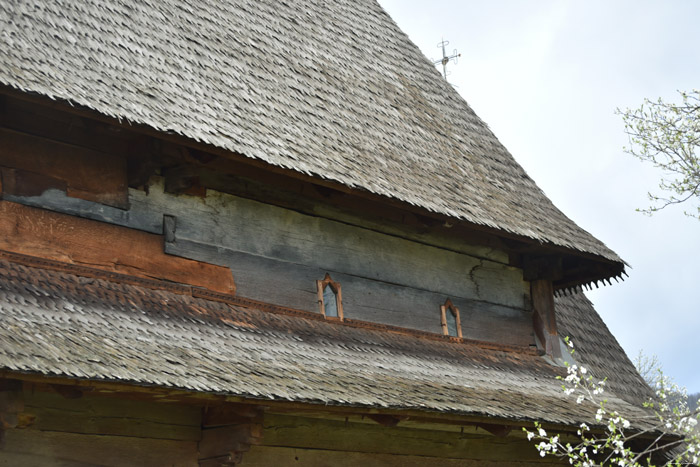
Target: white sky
column 547, row 76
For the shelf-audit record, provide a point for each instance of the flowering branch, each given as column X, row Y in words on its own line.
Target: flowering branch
column 674, row 432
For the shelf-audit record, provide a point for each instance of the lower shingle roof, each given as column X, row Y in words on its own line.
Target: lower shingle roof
column 58, row 323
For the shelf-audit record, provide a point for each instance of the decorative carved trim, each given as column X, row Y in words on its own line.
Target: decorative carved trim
column 335, row 287
column 449, row 306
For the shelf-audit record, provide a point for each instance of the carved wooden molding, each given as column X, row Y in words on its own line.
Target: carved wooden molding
column 335, row 287
column 449, row 307
column 228, row 431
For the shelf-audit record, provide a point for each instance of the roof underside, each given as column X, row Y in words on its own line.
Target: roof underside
column 330, row 89
column 57, row 323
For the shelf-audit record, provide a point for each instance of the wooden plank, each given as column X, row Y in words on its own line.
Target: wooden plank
column 225, row 221
column 88, row 174
column 265, row 456
column 61, row 237
column 11, row 404
column 544, row 318
column 271, row 232
column 53, row 124
column 112, row 416
column 307, row 433
column 228, row 177
column 58, row 201
column 41, row 448
column 363, row 299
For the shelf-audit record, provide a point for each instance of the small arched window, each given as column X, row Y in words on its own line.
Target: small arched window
column 330, row 299
column 449, row 317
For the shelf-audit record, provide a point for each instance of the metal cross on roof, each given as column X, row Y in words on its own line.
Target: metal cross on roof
column 445, row 58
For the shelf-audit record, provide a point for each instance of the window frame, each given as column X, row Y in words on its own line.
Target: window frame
column 336, row 289
column 449, row 306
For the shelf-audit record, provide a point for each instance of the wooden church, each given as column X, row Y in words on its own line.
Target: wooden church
column 230, row 236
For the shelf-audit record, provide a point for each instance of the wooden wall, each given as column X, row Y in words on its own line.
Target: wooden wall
column 276, row 254
column 295, row 440
column 70, row 426
column 97, row 430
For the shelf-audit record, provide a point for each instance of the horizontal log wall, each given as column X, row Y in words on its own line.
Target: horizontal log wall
column 292, row 440
column 93, row 430
column 276, row 255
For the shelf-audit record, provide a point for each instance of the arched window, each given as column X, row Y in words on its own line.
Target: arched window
column 330, row 300
column 449, row 317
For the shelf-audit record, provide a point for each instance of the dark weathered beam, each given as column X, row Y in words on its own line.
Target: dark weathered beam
column 87, row 174
column 544, row 318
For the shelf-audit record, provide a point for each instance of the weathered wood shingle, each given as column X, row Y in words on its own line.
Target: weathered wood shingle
column 330, row 89
column 58, row 323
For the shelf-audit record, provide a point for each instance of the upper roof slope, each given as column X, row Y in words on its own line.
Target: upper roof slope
column 93, row 326
column 333, row 89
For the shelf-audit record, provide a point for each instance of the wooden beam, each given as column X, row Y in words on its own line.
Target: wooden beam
column 37, row 232
column 544, row 318
column 536, row 267
column 87, row 174
column 123, row 390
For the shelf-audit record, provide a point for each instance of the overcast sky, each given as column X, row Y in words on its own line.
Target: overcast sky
column 547, row 76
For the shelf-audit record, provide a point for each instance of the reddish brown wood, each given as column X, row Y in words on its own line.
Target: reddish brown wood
column 24, row 183
column 88, row 174
column 335, row 286
column 449, row 307
column 61, row 237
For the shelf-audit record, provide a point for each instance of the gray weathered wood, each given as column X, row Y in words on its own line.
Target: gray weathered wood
column 363, row 299
column 238, row 224
column 56, row 200
column 276, row 255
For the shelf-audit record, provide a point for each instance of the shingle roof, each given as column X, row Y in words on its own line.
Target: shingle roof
column 58, row 323
column 330, row 89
